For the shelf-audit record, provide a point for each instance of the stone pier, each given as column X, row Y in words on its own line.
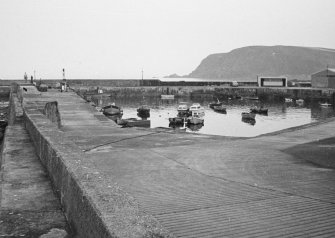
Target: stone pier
column 128, row 182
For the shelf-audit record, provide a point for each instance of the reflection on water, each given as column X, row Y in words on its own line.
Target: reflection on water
column 280, row 115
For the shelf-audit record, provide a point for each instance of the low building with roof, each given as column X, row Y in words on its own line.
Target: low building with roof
column 324, row 78
column 272, row 81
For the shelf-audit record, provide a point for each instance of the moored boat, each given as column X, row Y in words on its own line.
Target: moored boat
column 197, row 110
column 195, row 120
column 183, row 110
column 213, row 104
column 195, row 127
column 197, row 116
column 220, row 109
column 249, row 121
column 111, row 110
column 248, row 115
column 143, row 111
column 260, row 110
column 177, row 120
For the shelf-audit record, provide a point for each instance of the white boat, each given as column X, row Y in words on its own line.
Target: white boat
column 182, row 107
column 183, row 110
column 288, row 100
column 167, row 96
column 197, row 110
column 325, row 104
column 198, row 113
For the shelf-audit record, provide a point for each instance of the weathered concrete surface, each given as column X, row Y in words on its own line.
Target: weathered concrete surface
column 28, row 206
column 154, row 183
column 95, row 206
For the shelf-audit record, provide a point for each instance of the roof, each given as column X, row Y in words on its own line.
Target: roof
column 325, row 72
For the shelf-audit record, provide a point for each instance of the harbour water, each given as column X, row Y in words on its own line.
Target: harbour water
column 280, row 116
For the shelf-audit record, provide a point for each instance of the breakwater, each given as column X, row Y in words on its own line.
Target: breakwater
column 220, row 92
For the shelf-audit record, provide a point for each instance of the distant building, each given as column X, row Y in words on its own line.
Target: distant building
column 324, row 78
column 271, row 81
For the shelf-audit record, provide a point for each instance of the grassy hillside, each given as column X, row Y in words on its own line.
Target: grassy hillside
column 248, row 62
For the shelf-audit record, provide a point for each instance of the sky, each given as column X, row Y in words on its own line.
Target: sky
column 105, row 39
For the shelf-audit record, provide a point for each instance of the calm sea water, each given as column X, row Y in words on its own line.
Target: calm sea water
column 280, row 116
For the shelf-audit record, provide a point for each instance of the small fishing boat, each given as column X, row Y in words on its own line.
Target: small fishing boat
column 183, row 110
column 248, row 115
column 213, row 104
column 111, row 110
column 197, row 116
column 195, row 127
column 249, row 121
column 288, row 100
column 260, row 110
column 143, row 111
column 197, row 109
column 220, row 109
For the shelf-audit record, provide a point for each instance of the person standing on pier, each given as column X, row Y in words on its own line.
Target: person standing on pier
column 25, row 77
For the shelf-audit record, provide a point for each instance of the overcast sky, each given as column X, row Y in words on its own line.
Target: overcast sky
column 118, row 38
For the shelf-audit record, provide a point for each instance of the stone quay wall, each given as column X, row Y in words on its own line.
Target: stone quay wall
column 92, row 207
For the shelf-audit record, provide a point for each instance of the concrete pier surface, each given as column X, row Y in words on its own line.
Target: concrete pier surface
column 127, row 182
column 28, row 205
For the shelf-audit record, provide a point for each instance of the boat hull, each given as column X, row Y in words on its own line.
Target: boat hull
column 220, row 109
column 195, row 120
column 112, row 110
column 247, row 115
column 143, row 112
column 259, row 111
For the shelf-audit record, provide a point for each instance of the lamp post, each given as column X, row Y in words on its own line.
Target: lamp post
column 64, row 75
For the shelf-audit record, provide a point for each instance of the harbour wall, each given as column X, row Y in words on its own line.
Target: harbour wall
column 219, row 92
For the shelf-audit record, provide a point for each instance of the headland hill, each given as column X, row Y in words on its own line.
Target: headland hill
column 294, row 62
